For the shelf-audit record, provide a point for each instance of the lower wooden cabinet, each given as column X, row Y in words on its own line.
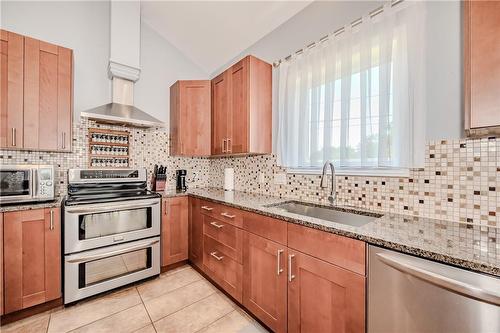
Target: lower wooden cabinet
column 323, row 297
column 32, row 258
column 174, row 234
column 1, row 263
column 264, row 280
column 195, row 232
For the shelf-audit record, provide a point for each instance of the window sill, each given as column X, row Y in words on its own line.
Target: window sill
column 379, row 172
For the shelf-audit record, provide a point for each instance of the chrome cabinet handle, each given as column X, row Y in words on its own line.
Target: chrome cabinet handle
column 216, row 225
column 207, row 208
column 229, row 145
column 227, row 215
column 112, row 253
column 290, row 275
column 14, row 143
column 51, row 219
column 223, row 145
column 279, row 270
column 214, row 254
column 439, row 280
column 63, row 134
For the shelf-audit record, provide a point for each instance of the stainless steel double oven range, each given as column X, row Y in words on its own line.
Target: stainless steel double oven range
column 111, row 231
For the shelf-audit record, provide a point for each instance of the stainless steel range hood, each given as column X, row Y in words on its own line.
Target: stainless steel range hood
column 122, row 114
column 124, row 69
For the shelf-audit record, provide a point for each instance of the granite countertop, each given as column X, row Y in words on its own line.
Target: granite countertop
column 469, row 246
column 31, row 205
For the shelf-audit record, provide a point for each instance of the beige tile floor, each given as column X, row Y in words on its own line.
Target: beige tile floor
column 178, row 301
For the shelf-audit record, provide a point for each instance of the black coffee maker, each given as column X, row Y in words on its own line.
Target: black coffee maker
column 181, row 180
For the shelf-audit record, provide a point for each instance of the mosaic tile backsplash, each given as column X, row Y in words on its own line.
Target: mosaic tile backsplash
column 460, row 180
column 147, row 148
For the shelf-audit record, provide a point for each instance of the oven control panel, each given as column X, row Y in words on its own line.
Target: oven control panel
column 106, row 175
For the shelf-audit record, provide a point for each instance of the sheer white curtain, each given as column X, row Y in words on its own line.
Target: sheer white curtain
column 357, row 98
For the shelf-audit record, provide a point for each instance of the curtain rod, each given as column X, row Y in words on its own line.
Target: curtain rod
column 337, row 32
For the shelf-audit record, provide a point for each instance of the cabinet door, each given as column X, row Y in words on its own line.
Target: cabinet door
column 323, row 297
column 482, row 63
column 264, row 280
column 174, row 233
column 1, row 263
column 11, row 98
column 195, row 118
column 220, row 109
column 239, row 113
column 47, row 96
column 32, row 254
column 195, row 232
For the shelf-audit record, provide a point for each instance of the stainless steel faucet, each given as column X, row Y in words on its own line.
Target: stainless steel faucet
column 333, row 194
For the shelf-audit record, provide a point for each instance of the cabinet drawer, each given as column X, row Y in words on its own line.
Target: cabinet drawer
column 341, row 251
column 227, row 235
column 224, row 270
column 266, row 227
column 224, row 213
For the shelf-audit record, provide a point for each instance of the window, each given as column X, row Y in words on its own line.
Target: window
column 354, row 99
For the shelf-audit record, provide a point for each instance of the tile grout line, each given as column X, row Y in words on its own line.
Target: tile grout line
column 204, row 327
column 168, row 292
column 201, row 299
column 147, row 312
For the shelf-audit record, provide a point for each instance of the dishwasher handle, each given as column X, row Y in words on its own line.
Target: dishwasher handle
column 439, row 280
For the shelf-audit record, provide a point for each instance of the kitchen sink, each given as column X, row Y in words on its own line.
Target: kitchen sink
column 334, row 214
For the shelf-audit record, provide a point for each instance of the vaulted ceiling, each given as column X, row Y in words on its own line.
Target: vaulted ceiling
column 211, row 33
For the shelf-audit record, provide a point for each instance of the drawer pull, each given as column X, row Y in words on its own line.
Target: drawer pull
column 290, row 275
column 214, row 254
column 216, row 225
column 207, row 208
column 227, row 215
column 278, row 257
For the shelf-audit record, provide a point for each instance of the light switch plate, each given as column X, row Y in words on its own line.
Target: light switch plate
column 280, row 178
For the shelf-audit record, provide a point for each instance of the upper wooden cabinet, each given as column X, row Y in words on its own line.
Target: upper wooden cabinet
column 32, row 258
column 37, row 85
column 11, row 101
column 241, row 109
column 190, row 118
column 482, row 66
column 174, row 234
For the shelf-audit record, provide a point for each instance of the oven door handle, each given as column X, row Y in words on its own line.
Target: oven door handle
column 112, row 253
column 99, row 208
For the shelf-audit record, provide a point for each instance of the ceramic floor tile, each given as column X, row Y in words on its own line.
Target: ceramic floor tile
column 146, row 329
column 166, row 304
column 196, row 316
column 34, row 324
column 125, row 321
column 233, row 322
column 176, row 270
column 87, row 312
column 167, row 283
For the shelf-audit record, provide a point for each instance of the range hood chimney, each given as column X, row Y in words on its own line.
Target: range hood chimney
column 124, row 69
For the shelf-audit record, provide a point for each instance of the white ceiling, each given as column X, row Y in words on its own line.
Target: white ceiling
column 211, row 33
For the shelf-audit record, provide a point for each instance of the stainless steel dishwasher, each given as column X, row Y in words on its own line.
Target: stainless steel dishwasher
column 410, row 294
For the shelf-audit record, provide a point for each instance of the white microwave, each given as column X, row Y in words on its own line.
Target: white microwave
column 26, row 183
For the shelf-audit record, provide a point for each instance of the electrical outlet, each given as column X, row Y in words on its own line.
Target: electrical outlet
column 262, row 178
column 280, row 178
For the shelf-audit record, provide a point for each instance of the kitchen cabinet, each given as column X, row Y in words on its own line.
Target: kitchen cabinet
column 190, row 118
column 1, row 263
column 11, row 101
column 241, row 109
column 264, row 282
column 37, row 85
column 32, row 258
column 174, row 234
column 482, row 66
column 323, row 297
column 195, row 233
